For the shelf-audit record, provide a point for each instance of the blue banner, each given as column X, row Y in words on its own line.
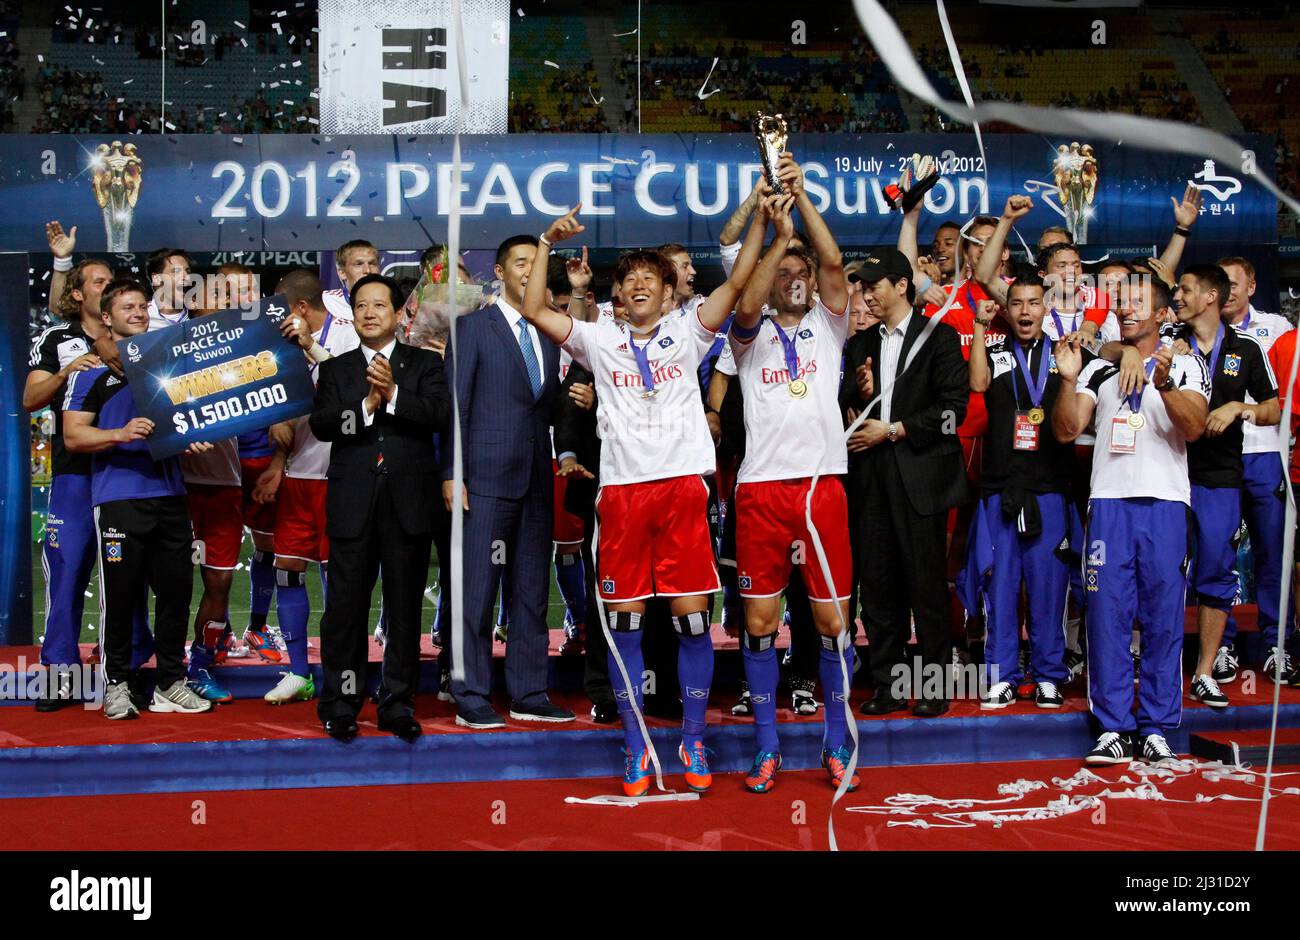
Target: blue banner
column 15, row 460
column 295, row 192
column 216, row 376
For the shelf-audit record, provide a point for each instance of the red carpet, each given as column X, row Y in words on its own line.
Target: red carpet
column 534, row 816
column 251, row 719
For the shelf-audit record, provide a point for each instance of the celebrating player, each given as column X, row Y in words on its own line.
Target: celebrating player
column 652, row 507
column 788, row 365
column 144, row 528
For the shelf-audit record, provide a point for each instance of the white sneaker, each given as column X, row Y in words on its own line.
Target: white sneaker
column 118, row 704
column 277, row 638
column 1155, row 749
column 380, row 636
column 1000, row 695
column 291, row 688
column 179, row 697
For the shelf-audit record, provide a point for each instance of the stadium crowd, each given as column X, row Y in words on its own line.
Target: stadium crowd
column 829, row 446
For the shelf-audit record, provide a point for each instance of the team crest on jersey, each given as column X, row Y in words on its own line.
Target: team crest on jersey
column 665, row 342
column 746, row 582
column 607, row 585
column 112, row 551
column 52, row 537
column 1051, row 363
column 1261, row 331
column 804, row 334
column 696, row 693
column 1091, row 579
column 1232, row 364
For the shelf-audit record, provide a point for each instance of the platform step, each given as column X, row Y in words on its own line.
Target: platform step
column 1246, row 746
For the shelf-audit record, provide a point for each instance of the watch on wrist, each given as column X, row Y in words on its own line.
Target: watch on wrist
column 1167, row 385
column 893, row 432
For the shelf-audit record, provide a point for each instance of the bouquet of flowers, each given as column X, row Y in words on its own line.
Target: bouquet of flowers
column 430, row 307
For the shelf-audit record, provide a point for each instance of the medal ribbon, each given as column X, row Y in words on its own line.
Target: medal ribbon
column 1135, row 398
column 788, row 346
column 324, row 335
column 643, row 361
column 1040, row 381
column 1214, row 353
column 1060, row 327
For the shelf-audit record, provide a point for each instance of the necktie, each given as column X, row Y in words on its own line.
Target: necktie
column 379, row 461
column 530, row 357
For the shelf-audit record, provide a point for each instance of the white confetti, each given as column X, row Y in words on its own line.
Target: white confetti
column 550, row 63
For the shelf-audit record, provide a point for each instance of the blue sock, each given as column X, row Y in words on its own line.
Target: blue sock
column 261, row 588
column 828, row 664
column 626, row 629
column 571, row 578
column 694, row 673
column 293, row 609
column 762, row 674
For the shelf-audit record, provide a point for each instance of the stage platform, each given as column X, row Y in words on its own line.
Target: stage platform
column 248, row 745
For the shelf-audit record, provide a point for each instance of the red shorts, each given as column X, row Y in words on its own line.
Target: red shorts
column 218, row 524
column 567, row 529
column 300, row 520
column 772, row 536
column 654, row 540
column 258, row 517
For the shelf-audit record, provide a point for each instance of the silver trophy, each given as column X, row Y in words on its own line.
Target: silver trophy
column 116, row 173
column 771, row 132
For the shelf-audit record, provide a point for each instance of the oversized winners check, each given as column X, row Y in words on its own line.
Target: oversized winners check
column 216, row 376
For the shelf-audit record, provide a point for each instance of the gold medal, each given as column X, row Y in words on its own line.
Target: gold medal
column 1036, row 415
column 798, row 388
column 1136, row 421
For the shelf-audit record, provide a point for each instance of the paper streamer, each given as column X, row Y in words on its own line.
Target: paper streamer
column 1149, row 133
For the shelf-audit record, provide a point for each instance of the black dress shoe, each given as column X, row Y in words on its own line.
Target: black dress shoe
column 341, row 729
column 930, row 707
column 882, row 703
column 604, row 713
column 403, row 726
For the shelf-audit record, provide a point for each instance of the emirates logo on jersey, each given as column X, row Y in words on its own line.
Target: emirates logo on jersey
column 633, row 379
column 781, row 376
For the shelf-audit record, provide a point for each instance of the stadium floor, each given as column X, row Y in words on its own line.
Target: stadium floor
column 533, row 815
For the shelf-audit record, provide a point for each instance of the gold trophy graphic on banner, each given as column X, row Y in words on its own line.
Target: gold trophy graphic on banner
column 115, row 175
column 772, row 133
column 1075, row 175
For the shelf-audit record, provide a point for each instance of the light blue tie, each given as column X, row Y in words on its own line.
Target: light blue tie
column 530, row 357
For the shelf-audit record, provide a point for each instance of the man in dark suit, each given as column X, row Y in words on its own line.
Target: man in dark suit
column 505, row 378
column 906, row 472
column 379, row 406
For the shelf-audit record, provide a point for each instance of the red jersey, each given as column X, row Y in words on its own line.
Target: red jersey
column 961, row 317
column 1280, row 355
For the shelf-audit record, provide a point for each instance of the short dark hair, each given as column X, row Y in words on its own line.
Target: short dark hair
column 805, row 255
column 394, row 292
column 513, row 241
column 911, row 287
column 630, row 261
column 1161, row 295
column 982, row 220
column 947, row 223
column 1056, row 230
column 1213, row 277
column 557, row 276
column 1028, row 280
column 341, row 254
column 157, row 262
column 117, row 287
column 431, row 255
column 301, row 284
column 1051, row 251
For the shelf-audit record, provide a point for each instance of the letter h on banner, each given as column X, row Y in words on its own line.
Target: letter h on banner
column 419, row 51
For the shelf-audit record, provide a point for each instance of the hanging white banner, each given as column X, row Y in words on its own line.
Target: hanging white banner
column 391, row 67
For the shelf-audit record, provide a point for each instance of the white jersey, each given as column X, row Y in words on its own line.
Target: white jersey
column 647, row 438
column 336, row 302
column 789, row 438
column 1157, row 467
column 217, row 467
column 1264, row 328
column 161, row 319
column 310, row 458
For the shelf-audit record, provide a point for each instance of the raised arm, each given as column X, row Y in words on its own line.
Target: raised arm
column 986, row 272
column 831, row 283
column 553, row 325
column 907, row 238
column 1185, row 215
column 61, row 246
column 750, row 306
column 719, row 304
column 736, row 224
column 980, row 373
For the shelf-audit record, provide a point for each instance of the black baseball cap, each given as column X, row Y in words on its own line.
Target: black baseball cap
column 883, row 263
